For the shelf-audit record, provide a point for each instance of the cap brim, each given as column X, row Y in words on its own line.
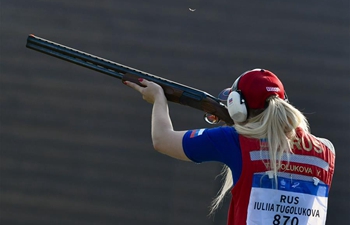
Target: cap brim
column 223, row 95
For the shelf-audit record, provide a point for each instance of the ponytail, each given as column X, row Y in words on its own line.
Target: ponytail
column 276, row 125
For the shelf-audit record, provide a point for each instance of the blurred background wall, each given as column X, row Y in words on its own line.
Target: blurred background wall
column 75, row 144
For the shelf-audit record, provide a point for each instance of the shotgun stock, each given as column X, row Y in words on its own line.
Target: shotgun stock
column 174, row 92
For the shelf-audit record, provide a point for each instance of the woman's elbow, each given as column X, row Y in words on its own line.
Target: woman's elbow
column 158, row 146
column 169, row 144
column 163, row 146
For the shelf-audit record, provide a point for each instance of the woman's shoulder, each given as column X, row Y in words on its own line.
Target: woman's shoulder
column 225, row 129
column 327, row 143
column 324, row 141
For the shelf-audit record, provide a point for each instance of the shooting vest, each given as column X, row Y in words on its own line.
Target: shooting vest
column 299, row 196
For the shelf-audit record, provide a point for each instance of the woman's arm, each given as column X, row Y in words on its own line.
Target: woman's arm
column 164, row 138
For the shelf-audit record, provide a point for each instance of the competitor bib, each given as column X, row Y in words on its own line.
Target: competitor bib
column 295, row 202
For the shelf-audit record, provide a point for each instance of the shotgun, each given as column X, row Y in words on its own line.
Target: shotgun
column 175, row 92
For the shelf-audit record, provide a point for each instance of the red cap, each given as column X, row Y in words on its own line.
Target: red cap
column 258, row 85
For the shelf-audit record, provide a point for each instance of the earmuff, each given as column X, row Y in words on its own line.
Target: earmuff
column 236, row 104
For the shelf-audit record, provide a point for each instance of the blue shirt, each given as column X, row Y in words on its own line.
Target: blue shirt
column 219, row 144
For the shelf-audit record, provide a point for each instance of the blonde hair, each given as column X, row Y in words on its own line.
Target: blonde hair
column 276, row 125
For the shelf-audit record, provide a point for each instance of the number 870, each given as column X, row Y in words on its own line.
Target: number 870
column 287, row 220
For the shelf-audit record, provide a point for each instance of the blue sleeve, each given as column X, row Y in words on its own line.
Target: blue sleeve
column 219, row 144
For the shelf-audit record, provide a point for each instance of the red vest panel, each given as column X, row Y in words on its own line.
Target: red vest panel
column 312, row 161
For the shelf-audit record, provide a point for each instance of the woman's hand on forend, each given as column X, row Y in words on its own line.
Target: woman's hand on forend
column 150, row 93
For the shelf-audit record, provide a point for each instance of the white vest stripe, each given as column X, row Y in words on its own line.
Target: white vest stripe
column 310, row 160
column 293, row 176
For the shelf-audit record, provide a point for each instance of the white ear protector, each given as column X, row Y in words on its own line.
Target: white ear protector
column 236, row 104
